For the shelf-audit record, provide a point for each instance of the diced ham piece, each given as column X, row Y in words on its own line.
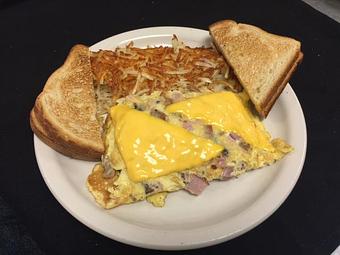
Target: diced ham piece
column 235, row 137
column 226, row 174
column 208, row 130
column 188, row 125
column 158, row 114
column 196, row 184
column 221, row 162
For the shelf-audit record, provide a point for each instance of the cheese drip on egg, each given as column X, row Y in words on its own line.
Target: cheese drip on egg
column 151, row 147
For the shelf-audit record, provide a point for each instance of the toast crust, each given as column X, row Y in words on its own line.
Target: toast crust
column 64, row 113
column 277, row 89
column 49, row 135
column 54, row 144
column 262, row 62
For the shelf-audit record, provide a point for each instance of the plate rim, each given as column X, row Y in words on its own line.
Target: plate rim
column 142, row 32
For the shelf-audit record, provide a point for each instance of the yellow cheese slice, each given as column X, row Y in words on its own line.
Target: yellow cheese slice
column 227, row 111
column 151, row 147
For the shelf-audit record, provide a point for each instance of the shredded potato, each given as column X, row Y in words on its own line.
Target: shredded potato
column 130, row 70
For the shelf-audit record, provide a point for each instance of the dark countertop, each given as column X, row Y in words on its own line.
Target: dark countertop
column 37, row 35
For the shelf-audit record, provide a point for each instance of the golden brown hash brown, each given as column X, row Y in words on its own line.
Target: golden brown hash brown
column 130, row 70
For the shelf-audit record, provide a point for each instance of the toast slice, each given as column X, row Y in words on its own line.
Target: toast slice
column 64, row 114
column 262, row 62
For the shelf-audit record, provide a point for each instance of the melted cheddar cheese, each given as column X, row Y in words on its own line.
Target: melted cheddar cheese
column 228, row 112
column 151, row 147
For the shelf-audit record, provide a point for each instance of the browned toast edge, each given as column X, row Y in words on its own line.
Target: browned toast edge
column 277, row 89
column 45, row 131
column 263, row 109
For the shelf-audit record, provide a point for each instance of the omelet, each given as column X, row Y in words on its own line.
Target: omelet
column 168, row 141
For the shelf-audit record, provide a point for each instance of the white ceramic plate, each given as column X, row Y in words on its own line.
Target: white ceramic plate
column 224, row 210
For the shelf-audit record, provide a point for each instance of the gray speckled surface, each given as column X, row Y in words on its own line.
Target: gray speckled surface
column 330, row 8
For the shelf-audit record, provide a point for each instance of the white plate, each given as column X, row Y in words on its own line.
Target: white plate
column 224, row 210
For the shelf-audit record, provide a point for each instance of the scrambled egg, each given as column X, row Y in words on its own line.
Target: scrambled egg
column 224, row 139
